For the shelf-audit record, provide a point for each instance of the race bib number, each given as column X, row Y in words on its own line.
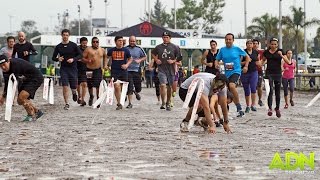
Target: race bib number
column 229, row 66
column 89, row 74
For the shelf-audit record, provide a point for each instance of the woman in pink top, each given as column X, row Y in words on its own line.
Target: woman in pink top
column 288, row 78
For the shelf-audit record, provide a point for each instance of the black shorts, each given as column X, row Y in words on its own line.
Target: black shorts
column 69, row 76
column 234, row 78
column 122, row 76
column 31, row 86
column 134, row 79
column 82, row 77
column 183, row 93
column 96, row 78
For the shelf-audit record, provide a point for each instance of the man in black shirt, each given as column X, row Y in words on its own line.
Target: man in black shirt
column 68, row 53
column 30, row 79
column 210, row 55
column 82, row 74
column 23, row 48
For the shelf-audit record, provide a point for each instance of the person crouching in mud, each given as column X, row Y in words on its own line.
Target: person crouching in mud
column 31, row 82
column 212, row 86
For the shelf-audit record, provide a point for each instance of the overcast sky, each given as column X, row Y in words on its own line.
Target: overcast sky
column 44, row 12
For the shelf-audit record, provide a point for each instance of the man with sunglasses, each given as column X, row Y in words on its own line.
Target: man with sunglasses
column 214, row 86
column 93, row 56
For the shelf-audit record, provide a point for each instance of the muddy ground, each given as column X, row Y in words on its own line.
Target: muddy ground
column 145, row 142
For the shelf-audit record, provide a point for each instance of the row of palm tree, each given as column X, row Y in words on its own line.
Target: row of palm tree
column 267, row 26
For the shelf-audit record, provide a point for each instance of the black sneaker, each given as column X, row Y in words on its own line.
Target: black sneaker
column 75, row 97
column 119, row 106
column 66, row 107
column 260, row 103
column 162, row 107
column 217, row 123
column 79, row 101
column 138, row 97
column 240, row 113
column 83, row 103
column 39, row 114
column 221, row 121
column 129, row 106
column 91, row 100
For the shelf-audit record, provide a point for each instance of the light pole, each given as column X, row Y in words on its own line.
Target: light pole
column 305, row 32
column 149, row 11
column 79, row 20
column 245, row 18
column 175, row 14
column 106, row 7
column 280, row 24
column 90, row 6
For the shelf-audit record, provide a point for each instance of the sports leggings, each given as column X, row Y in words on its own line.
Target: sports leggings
column 249, row 82
column 275, row 83
column 285, row 83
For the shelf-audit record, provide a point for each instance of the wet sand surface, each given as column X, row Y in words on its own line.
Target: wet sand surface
column 145, row 142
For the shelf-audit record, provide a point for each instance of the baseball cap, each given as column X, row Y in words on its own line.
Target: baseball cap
column 166, row 33
column 3, row 59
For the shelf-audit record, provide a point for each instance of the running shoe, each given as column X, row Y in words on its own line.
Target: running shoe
column 217, row 123
column 173, row 94
column 291, row 102
column 138, row 97
column 278, row 114
column 260, row 103
column 28, row 118
column 66, row 107
column 286, row 106
column 184, row 126
column 79, row 101
column 83, row 103
column 221, row 121
column 270, row 112
column 253, row 108
column 91, row 100
column 74, row 97
column 39, row 114
column 240, row 113
column 129, row 106
column 162, row 107
column 119, row 106
column 247, row 109
column 168, row 107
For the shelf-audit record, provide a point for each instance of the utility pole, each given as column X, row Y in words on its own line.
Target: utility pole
column 149, row 13
column 245, row 19
column 106, row 8
column 175, row 14
column 121, row 14
column 79, row 23
column 280, row 24
column 90, row 6
column 305, row 33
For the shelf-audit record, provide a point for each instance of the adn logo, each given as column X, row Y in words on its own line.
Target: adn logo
column 292, row 161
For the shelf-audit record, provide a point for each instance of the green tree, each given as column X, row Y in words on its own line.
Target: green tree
column 29, row 28
column 296, row 24
column 84, row 27
column 211, row 14
column 159, row 16
column 264, row 27
column 316, row 48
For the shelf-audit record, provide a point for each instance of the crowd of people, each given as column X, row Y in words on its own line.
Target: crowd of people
column 82, row 68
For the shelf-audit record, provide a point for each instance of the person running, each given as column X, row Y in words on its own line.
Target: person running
column 212, row 86
column 154, row 67
column 288, row 78
column 7, row 51
column 68, row 53
column 134, row 70
column 231, row 57
column 32, row 80
column 177, row 64
column 94, row 57
column 249, row 79
column 120, row 60
column 165, row 55
column 82, row 76
column 260, row 71
column 23, row 49
column 273, row 58
column 210, row 55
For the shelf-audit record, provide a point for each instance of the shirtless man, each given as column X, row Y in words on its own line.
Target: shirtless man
column 93, row 56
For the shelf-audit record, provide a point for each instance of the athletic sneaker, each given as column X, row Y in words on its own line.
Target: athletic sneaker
column 83, row 103
column 260, row 103
column 247, row 109
column 240, row 113
column 291, row 102
column 217, row 124
column 184, row 126
column 162, row 107
column 270, row 112
column 253, row 108
column 79, row 101
column 168, row 107
column 75, row 97
column 91, row 100
column 28, row 118
column 66, row 107
column 39, row 114
column 221, row 121
column 138, row 97
column 173, row 94
column 278, row 114
column 119, row 106
column 129, row 106
column 286, row 106
column 171, row 103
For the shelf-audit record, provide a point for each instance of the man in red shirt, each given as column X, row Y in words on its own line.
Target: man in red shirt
column 260, row 71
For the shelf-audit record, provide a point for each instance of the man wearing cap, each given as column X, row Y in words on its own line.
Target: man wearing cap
column 165, row 55
column 30, row 79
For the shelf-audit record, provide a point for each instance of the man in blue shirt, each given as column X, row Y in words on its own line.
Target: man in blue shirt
column 134, row 72
column 231, row 57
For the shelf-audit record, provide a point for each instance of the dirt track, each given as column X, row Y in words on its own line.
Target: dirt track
column 145, row 143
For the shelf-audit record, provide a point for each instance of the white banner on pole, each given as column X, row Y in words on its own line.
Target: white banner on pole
column 313, row 100
column 11, row 91
column 123, row 91
column 105, row 92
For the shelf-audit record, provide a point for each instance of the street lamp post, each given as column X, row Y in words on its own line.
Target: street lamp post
column 305, row 33
column 245, row 18
column 175, row 14
column 280, row 24
column 105, row 13
column 90, row 6
column 79, row 20
column 121, row 14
